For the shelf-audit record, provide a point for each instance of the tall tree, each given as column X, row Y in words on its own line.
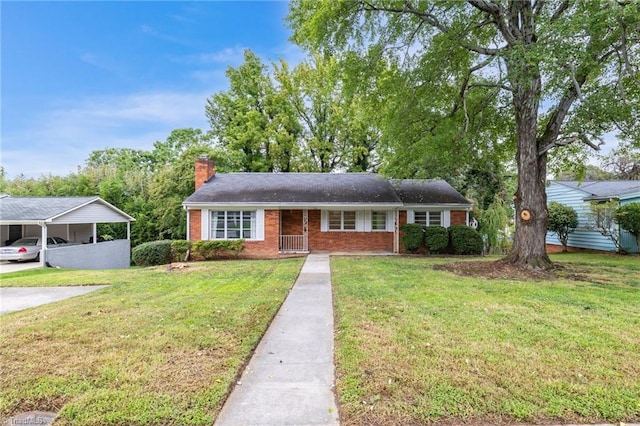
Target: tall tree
column 562, row 71
column 337, row 130
column 253, row 119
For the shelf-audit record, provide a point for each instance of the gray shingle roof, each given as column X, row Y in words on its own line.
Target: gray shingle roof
column 38, row 208
column 419, row 191
column 603, row 188
column 320, row 188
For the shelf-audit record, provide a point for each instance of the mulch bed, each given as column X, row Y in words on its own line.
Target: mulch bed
column 503, row 270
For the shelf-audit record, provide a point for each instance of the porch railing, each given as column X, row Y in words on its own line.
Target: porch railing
column 293, row 243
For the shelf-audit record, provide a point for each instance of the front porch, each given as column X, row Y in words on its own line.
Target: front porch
column 294, row 231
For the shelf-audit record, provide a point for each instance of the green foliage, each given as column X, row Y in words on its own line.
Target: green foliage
column 436, row 238
column 493, row 224
column 217, row 249
column 253, row 119
column 628, row 217
column 413, row 237
column 602, row 221
column 180, row 250
column 481, row 82
column 563, row 220
column 152, row 253
column 465, row 240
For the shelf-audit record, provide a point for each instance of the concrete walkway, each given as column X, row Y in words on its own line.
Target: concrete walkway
column 290, row 378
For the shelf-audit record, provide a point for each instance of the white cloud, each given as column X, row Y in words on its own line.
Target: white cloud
column 61, row 138
column 227, row 56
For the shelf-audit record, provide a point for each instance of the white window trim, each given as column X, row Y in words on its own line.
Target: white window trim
column 205, row 223
column 445, row 216
column 363, row 221
column 325, row 221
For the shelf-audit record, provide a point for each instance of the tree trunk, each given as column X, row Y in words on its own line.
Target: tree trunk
column 530, row 199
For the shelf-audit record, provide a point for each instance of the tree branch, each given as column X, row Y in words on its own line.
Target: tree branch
column 562, row 7
column 497, row 12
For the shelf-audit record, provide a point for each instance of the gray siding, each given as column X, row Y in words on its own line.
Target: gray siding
column 107, row 255
column 92, row 213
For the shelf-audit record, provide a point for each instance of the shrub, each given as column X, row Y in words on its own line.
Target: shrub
column 628, row 217
column 210, row 250
column 152, row 253
column 563, row 220
column 465, row 240
column 436, row 238
column 180, row 250
column 413, row 236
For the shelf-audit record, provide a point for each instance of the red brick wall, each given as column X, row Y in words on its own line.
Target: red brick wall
column 458, row 217
column 556, row 248
column 204, row 169
column 402, row 218
column 291, row 222
column 271, row 244
column 195, row 225
column 346, row 241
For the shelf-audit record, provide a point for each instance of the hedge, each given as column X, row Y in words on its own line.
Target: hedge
column 465, row 240
column 216, row 249
column 413, row 237
column 436, row 239
column 152, row 253
column 167, row 251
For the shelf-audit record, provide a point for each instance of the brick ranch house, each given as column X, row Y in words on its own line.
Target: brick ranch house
column 280, row 213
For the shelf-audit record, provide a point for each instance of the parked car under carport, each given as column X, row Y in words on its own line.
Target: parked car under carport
column 29, row 248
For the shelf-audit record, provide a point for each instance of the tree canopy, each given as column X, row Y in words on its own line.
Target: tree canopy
column 485, row 78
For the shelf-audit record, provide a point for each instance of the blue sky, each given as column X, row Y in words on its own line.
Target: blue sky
column 82, row 76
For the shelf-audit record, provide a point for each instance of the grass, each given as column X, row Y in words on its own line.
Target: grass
column 157, row 347
column 415, row 345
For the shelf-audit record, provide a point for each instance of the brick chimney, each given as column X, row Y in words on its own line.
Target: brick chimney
column 205, row 170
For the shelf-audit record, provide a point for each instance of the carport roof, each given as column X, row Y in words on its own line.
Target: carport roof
column 45, row 209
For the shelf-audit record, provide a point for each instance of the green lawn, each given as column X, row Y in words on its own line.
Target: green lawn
column 157, row 347
column 415, row 345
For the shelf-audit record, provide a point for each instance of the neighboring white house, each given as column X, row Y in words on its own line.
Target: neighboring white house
column 579, row 196
column 73, row 218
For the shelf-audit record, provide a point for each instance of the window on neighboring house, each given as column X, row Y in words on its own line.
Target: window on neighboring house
column 428, row 218
column 233, row 224
column 342, row 221
column 378, row 221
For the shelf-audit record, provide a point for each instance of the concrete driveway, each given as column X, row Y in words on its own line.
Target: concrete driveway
column 18, row 298
column 6, row 267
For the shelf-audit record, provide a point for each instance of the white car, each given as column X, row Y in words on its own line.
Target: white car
column 29, row 248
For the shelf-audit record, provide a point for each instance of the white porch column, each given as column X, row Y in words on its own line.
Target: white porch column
column 188, row 225
column 43, row 251
column 95, row 233
column 128, row 230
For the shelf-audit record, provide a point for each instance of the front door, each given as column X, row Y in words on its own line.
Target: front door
column 293, row 231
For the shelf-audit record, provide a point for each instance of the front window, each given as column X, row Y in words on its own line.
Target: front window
column 342, row 221
column 233, row 224
column 428, row 218
column 378, row 221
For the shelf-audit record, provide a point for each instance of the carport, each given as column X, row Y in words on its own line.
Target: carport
column 76, row 220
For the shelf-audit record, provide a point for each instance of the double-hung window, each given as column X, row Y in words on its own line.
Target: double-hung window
column 378, row 221
column 426, row 218
column 342, row 220
column 233, row 224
